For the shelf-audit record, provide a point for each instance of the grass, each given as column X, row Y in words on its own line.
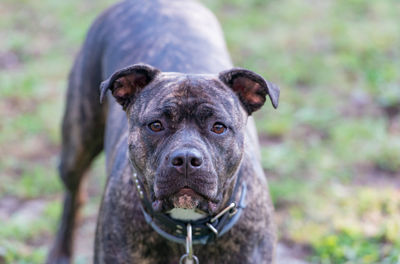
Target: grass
column 331, row 150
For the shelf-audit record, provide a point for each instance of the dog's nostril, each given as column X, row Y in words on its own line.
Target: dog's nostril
column 196, row 162
column 184, row 158
column 177, row 161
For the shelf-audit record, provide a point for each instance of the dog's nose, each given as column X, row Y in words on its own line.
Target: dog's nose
column 183, row 159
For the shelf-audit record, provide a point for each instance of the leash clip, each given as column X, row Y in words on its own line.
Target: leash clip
column 189, row 258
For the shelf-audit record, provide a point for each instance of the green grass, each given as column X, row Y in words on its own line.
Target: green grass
column 331, row 150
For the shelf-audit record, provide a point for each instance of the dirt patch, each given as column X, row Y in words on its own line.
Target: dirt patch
column 9, row 60
column 290, row 254
column 8, row 205
column 28, row 210
column 369, row 175
column 267, row 140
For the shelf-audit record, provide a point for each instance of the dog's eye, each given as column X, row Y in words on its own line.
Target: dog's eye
column 156, row 126
column 218, row 128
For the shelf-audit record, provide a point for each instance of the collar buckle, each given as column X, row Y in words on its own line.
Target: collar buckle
column 224, row 211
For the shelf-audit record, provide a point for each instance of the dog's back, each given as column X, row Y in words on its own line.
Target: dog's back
column 171, row 35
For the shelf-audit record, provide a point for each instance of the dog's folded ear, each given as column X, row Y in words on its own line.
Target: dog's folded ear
column 126, row 83
column 251, row 88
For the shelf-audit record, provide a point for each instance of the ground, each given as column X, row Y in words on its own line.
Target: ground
column 331, row 151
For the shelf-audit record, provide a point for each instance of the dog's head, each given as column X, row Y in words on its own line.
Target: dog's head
column 186, row 132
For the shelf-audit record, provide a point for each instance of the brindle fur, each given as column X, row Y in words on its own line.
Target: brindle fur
column 173, row 36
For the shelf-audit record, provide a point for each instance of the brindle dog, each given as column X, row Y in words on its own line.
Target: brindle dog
column 183, row 131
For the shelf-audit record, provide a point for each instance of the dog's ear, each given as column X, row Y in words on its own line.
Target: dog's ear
column 126, row 83
column 251, row 88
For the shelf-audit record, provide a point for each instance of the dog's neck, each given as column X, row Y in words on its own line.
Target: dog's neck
column 186, row 214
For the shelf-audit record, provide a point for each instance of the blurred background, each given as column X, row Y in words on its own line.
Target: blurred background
column 331, row 151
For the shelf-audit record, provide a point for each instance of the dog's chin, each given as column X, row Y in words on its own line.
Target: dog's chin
column 186, row 204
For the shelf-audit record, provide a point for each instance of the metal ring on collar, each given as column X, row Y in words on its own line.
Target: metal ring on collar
column 185, row 258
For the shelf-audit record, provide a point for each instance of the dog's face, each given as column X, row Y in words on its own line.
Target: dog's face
column 186, row 132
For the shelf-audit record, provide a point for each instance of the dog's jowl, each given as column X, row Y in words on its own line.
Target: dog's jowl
column 182, row 159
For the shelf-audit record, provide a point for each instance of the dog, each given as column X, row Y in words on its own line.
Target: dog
column 184, row 179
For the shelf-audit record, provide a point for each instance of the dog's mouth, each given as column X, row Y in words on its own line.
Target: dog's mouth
column 186, row 200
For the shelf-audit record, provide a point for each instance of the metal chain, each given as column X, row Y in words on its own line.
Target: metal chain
column 188, row 257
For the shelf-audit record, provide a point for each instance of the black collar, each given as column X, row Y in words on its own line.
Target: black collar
column 204, row 230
